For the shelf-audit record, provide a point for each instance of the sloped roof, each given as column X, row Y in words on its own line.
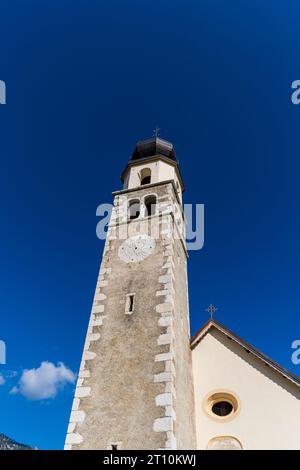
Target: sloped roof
column 195, row 340
column 152, row 147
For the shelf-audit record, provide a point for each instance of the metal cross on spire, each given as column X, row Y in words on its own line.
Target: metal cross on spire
column 211, row 309
column 156, row 131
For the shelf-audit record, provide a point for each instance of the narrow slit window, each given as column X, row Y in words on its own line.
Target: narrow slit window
column 129, row 304
column 114, row 446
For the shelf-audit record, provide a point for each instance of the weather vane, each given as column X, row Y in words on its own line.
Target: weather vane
column 211, row 309
column 156, row 131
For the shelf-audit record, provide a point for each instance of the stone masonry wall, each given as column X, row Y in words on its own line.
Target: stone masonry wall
column 134, row 388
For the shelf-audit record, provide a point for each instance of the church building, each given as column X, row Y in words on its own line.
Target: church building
column 143, row 382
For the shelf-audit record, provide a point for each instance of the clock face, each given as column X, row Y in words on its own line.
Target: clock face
column 136, row 248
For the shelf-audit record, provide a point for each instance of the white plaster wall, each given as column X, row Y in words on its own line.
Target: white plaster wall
column 168, row 172
column 134, row 179
column 269, row 416
column 160, row 171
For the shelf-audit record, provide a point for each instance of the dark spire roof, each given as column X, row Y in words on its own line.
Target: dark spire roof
column 152, row 147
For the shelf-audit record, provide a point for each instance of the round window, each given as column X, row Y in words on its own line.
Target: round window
column 222, row 408
column 221, row 405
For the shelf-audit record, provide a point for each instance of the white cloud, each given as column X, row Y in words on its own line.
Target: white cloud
column 44, row 382
column 2, row 379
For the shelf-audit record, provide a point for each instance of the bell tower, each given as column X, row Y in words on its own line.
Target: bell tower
column 135, row 385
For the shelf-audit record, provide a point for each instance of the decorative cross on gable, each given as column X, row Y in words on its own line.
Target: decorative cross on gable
column 211, row 309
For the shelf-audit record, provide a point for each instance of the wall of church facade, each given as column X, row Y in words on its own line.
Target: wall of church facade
column 268, row 413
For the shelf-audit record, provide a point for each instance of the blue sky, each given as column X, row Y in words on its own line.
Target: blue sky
column 85, row 81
